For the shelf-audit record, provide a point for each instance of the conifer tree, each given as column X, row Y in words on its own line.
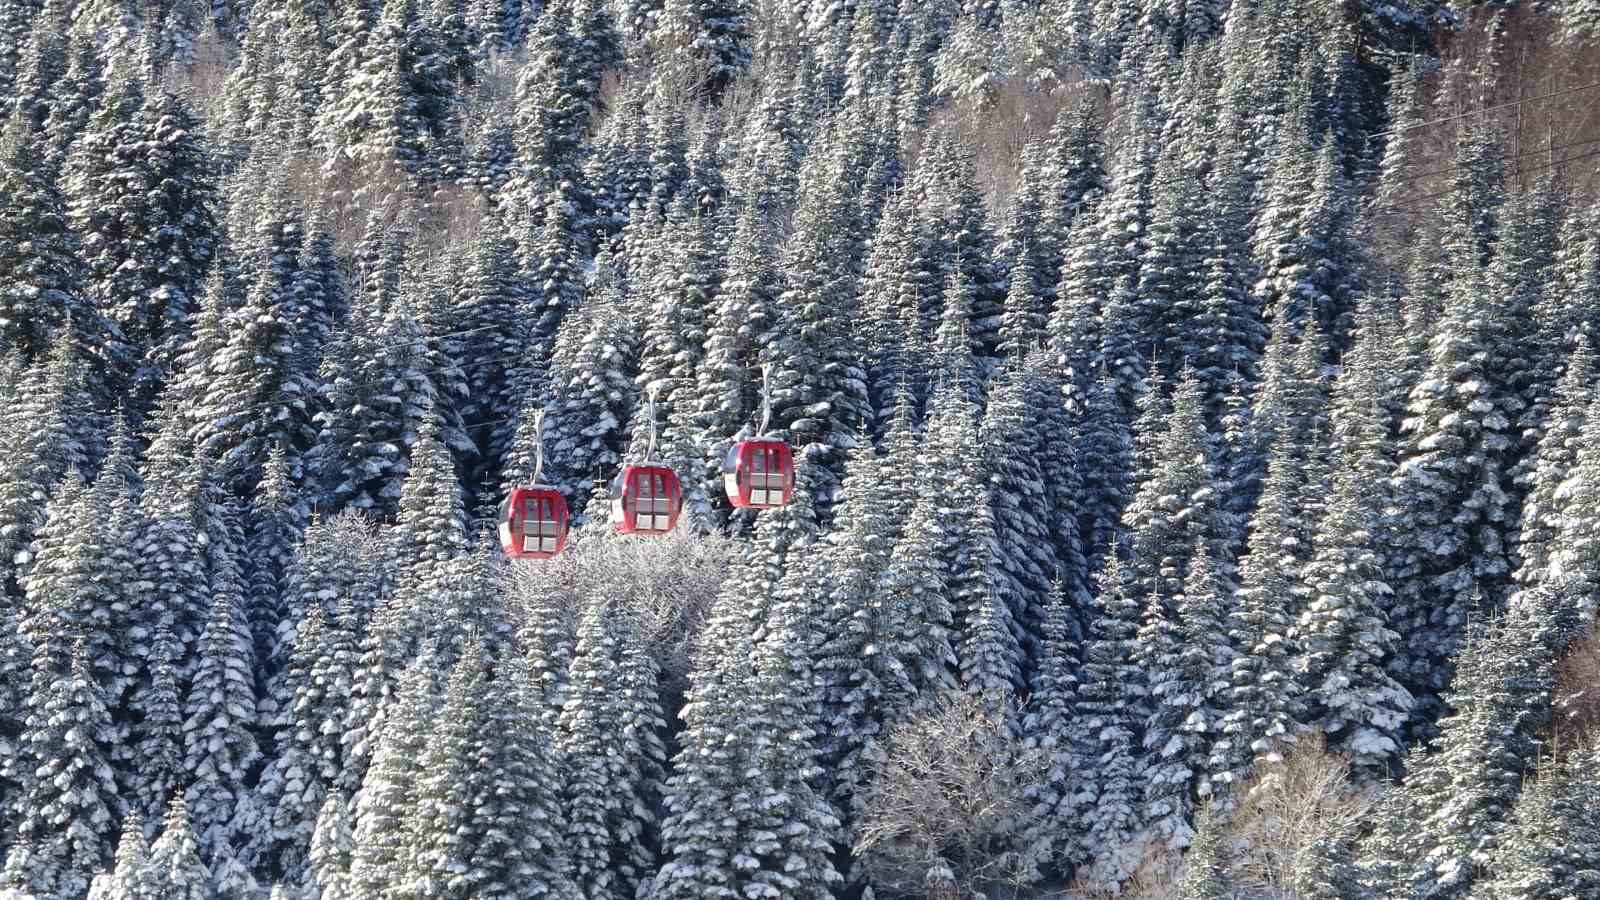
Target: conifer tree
column 1343, row 633
column 386, row 808
column 610, row 743
column 593, row 400
column 1453, row 539
column 1188, row 661
column 71, row 805
column 1176, row 514
column 220, row 746
column 715, row 33
column 177, row 871
column 295, row 782
column 705, row 800
column 488, row 804
column 1109, row 714
column 1549, row 850
column 818, row 386
column 278, row 520
column 331, row 846
column 1552, row 462
column 15, row 661
column 40, row 263
column 1024, row 554
column 42, row 442
column 490, row 301
column 1052, row 833
column 131, row 877
column 790, row 805
column 1458, row 801
column 848, row 657
column 141, row 199
column 172, row 547
column 1205, row 875
column 1264, row 696
column 1103, row 440
column 157, row 761
column 917, row 616
column 394, row 105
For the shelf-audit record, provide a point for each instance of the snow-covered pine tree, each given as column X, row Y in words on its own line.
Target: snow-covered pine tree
column 716, row 34
column 277, row 524
column 789, row 804
column 332, row 845
column 1264, row 699
column 1457, row 802
column 1014, row 449
column 610, row 744
column 1452, row 540
column 155, row 770
column 1205, row 872
column 1176, row 514
column 1109, row 714
column 819, row 394
column 15, row 661
column 253, row 393
column 1061, row 470
column 1549, row 851
column 176, row 867
column 1343, row 633
column 39, row 263
column 71, row 805
column 488, row 810
column 917, row 616
column 849, row 657
column 1053, row 835
column 220, row 746
column 130, row 877
column 295, row 781
column 1102, row 440
column 1187, row 660
column 956, row 237
column 490, row 304
column 706, row 800
column 386, row 809
column 140, row 197
column 382, row 383
column 1552, row 462
column 393, row 110
column 42, row 440
column 172, row 545
column 594, row 399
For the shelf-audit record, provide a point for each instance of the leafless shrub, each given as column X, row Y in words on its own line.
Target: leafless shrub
column 204, row 80
column 1577, row 719
column 1154, row 878
column 667, row 582
column 1285, row 810
column 942, row 810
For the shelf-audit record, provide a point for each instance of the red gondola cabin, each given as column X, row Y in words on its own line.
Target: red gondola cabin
column 646, row 499
column 759, row 474
column 533, row 523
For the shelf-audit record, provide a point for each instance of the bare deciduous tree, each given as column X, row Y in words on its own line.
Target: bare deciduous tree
column 942, row 811
column 1578, row 690
column 1285, row 810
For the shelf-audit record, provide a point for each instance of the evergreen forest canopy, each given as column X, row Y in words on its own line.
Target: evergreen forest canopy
column 1193, row 406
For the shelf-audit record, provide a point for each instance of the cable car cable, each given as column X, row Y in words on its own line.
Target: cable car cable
column 1486, row 109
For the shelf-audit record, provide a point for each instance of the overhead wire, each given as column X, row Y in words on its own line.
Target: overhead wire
column 1487, row 109
column 424, row 340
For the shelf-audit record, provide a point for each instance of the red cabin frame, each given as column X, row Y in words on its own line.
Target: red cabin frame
column 759, row 474
column 646, row 499
column 533, row 522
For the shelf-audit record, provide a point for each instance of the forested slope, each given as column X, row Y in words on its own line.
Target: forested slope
column 1192, row 400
